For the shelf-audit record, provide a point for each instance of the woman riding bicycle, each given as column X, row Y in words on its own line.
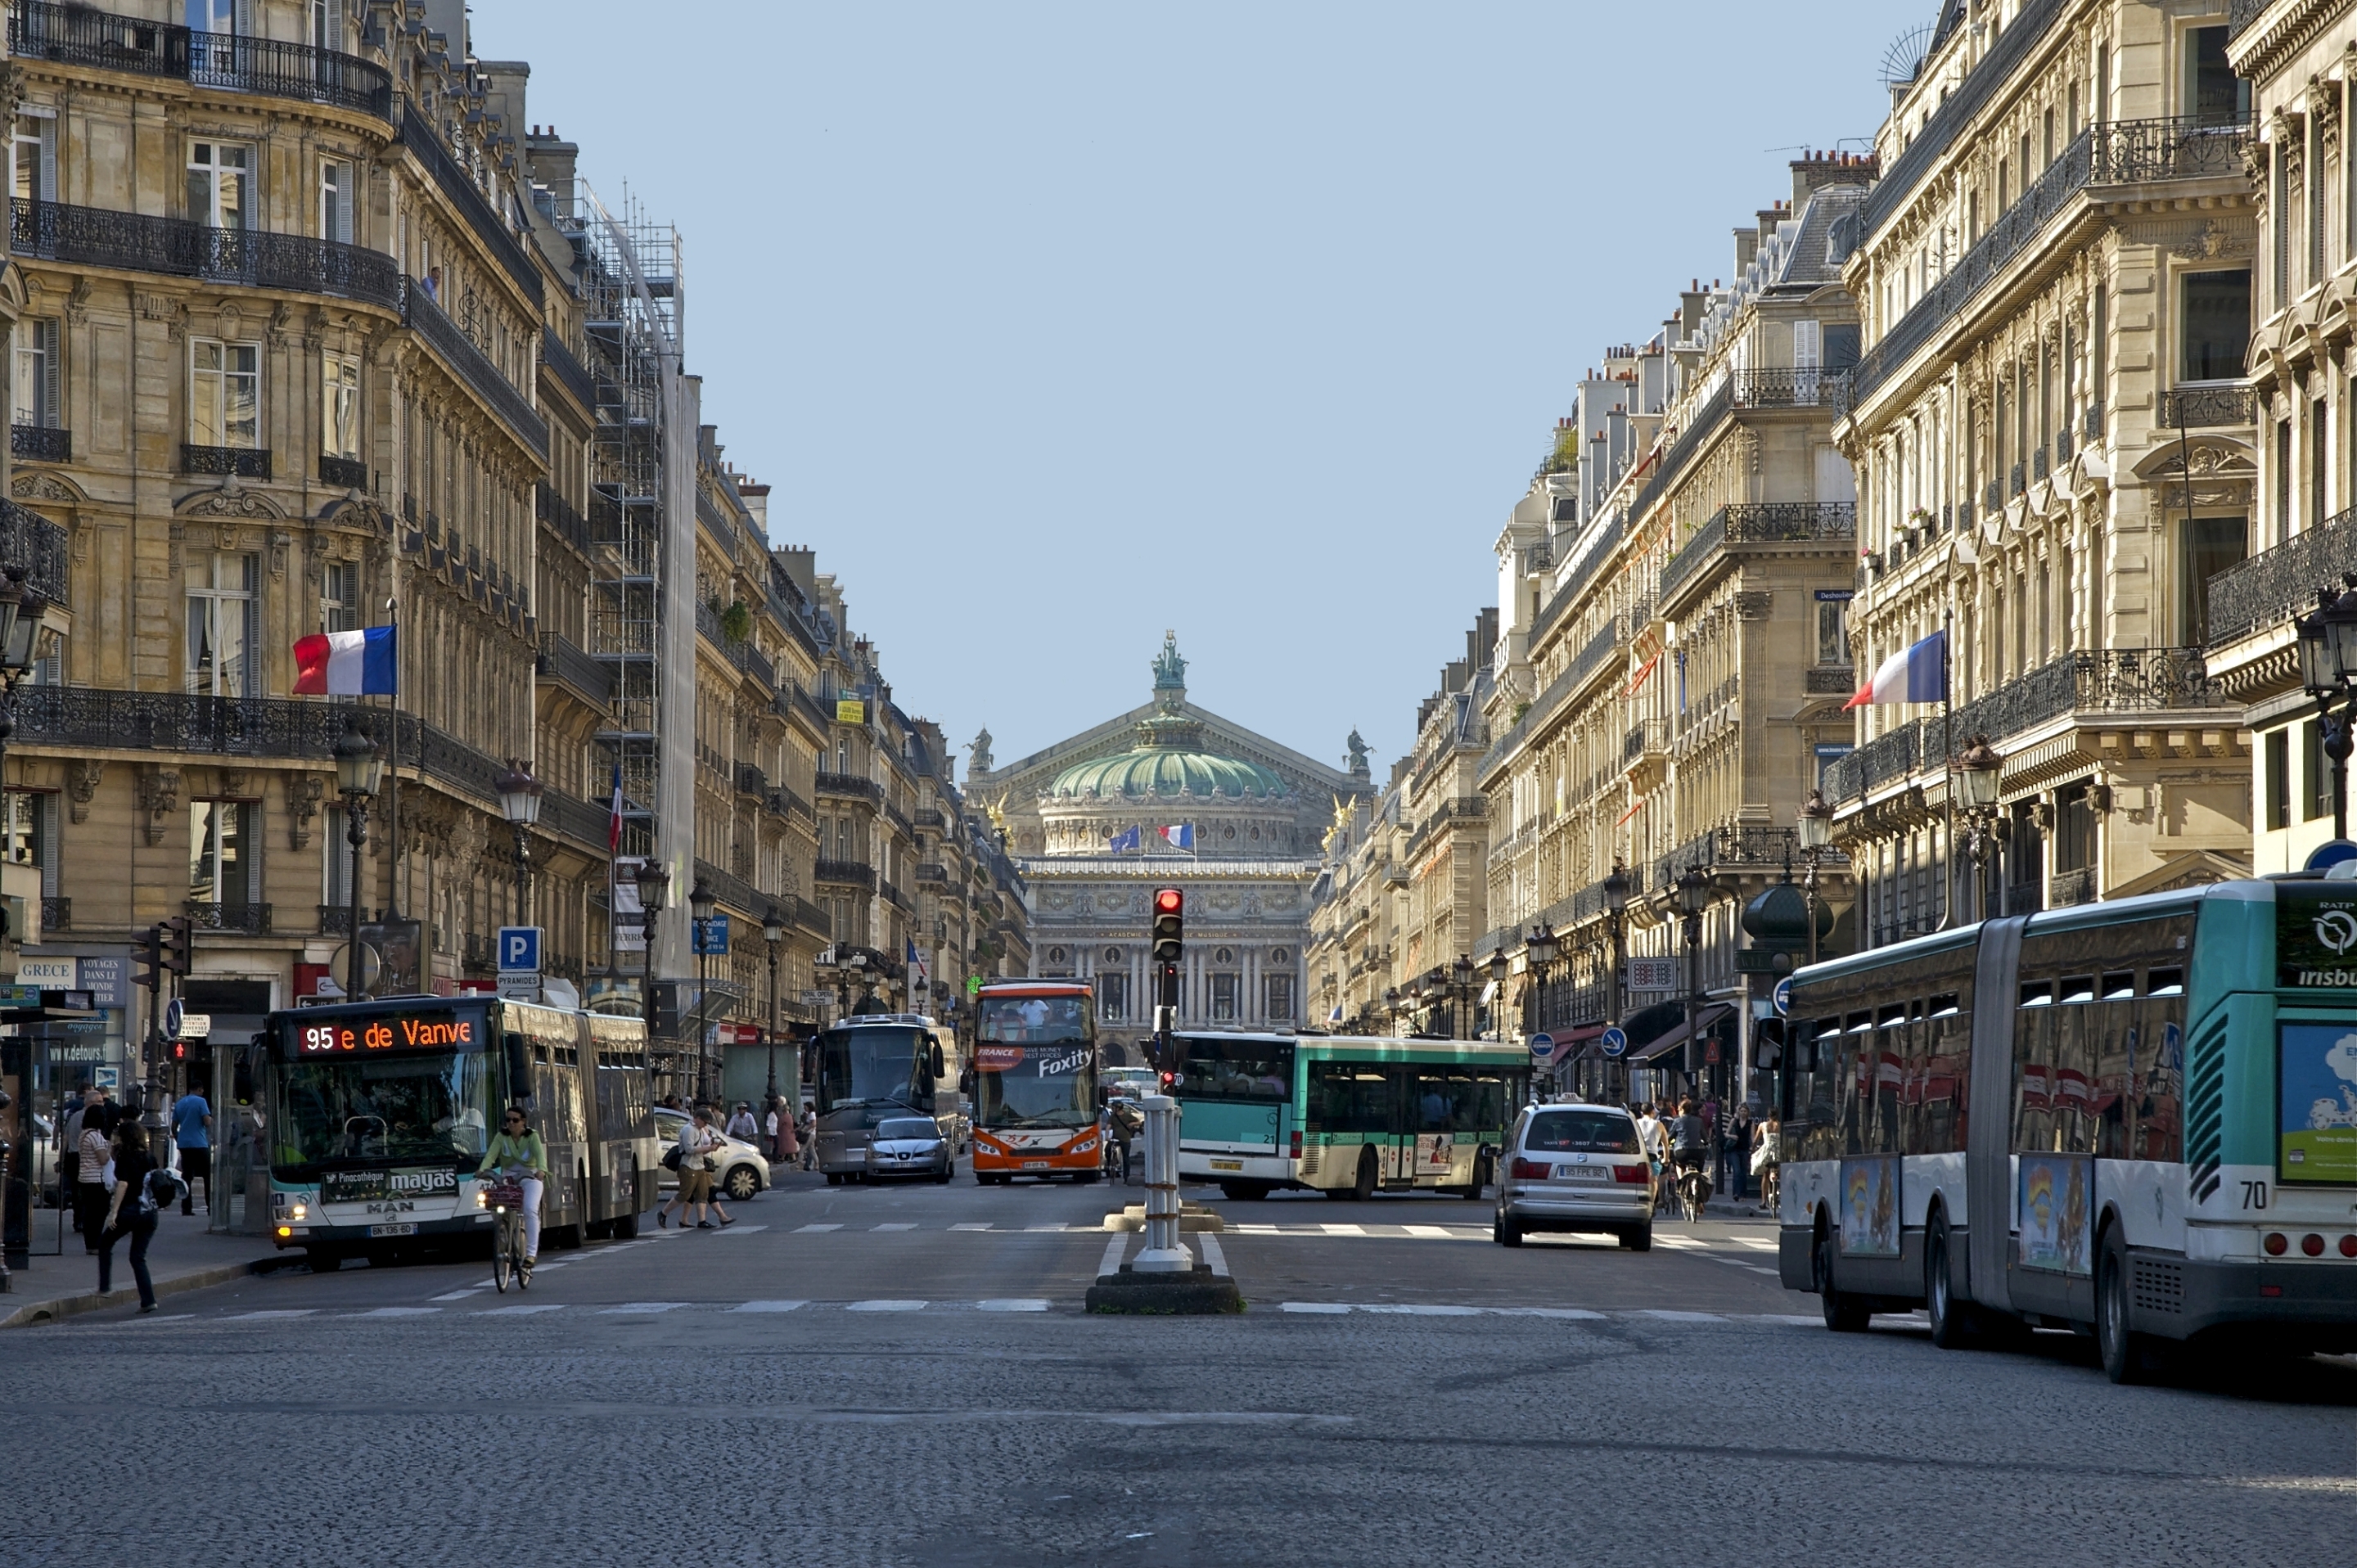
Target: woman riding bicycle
column 517, row 1151
column 1690, row 1153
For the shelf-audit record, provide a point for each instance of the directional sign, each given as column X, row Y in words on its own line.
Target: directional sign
column 1541, row 1049
column 519, row 984
column 1616, row 1041
column 520, row 951
column 711, row 935
column 172, row 1013
column 1782, row 996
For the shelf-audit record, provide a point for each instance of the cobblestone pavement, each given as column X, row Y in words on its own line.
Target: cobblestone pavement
column 934, row 1396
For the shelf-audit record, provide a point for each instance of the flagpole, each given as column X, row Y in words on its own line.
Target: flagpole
column 1948, row 750
column 392, row 780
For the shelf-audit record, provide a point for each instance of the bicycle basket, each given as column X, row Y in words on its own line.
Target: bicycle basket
column 505, row 1193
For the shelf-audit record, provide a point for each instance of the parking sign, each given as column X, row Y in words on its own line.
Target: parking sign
column 519, row 948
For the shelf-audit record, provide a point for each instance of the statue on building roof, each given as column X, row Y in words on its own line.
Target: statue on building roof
column 1359, row 751
column 980, row 746
column 1169, row 675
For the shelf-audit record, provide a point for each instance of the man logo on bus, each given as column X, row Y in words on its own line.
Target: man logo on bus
column 2337, row 930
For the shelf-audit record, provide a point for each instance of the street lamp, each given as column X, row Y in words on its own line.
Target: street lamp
column 773, row 931
column 519, row 800
column 23, row 643
column 1391, row 1008
column 2328, row 669
column 1616, row 914
column 1500, row 968
column 700, row 905
column 1693, row 896
column 653, row 879
column 358, row 768
column 1815, row 826
column 1460, row 1015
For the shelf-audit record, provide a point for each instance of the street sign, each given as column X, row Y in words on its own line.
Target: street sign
column 1541, row 1049
column 1710, row 1052
column 817, row 998
column 2329, row 853
column 519, row 984
column 1652, row 975
column 172, row 1019
column 712, row 935
column 520, row 951
column 193, row 1026
column 1616, row 1041
column 1782, row 996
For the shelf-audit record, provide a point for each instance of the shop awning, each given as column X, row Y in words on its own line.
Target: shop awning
column 1653, row 1050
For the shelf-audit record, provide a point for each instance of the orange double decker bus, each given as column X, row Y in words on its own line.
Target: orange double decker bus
column 1035, row 1082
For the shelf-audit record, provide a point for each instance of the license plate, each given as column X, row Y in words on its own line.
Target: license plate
column 1581, row 1172
column 1227, row 1165
column 855, row 1153
column 1035, row 1165
column 408, row 1230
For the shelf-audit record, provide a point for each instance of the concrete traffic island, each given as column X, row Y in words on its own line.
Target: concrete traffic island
column 1193, row 1218
column 1197, row 1293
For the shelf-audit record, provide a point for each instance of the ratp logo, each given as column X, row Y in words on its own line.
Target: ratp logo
column 2337, row 930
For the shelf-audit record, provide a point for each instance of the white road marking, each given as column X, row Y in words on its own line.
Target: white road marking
column 972, row 1225
column 892, row 1228
column 1793, row 1317
column 1570, row 1312
column 462, row 1295
column 1111, row 1262
column 1667, row 1316
column 401, row 1312
column 1440, row 1232
column 1423, row 1311
column 524, row 1310
column 742, row 1229
column 1013, row 1304
column 812, row 1230
column 1334, row 1307
column 1255, row 1229
column 1212, row 1254
column 641, row 1307
column 1756, row 1246
column 885, row 1307
column 280, row 1312
column 1342, row 1230
column 1057, row 1226
column 769, row 1306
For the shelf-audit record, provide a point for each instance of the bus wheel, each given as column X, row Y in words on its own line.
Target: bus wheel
column 1845, row 1314
column 1481, row 1179
column 1951, row 1323
column 626, row 1226
column 1363, row 1189
column 2122, row 1352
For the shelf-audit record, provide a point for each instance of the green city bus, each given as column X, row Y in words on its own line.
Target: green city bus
column 2137, row 1118
column 1346, row 1116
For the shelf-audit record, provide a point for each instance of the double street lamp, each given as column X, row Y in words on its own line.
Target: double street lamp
column 360, row 768
column 653, row 880
column 1691, row 894
column 1814, row 827
column 1979, row 774
column 2328, row 669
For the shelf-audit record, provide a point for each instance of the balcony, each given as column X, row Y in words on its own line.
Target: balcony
column 343, row 473
column 1645, row 753
column 41, row 444
column 78, row 36
column 56, row 915
column 246, row 462
column 751, row 781
column 471, row 367
column 2066, row 889
column 31, row 542
column 898, row 899
column 244, row 258
column 731, row 889
column 900, row 819
column 245, row 919
column 1956, row 113
column 2209, row 407
column 412, row 131
column 848, row 784
column 852, row 872
column 781, row 801
column 2280, row 584
column 1806, row 388
column 929, row 818
column 1768, row 522
column 560, row 361
column 930, row 870
column 559, row 661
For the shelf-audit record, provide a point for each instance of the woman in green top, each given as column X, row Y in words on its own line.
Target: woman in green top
column 516, row 1148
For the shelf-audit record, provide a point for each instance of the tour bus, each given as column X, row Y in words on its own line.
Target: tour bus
column 377, row 1114
column 2137, row 1116
column 1035, row 1082
column 871, row 1067
column 1348, row 1116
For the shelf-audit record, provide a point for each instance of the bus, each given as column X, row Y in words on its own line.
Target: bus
column 2137, row 1118
column 1035, row 1082
column 1343, row 1115
column 870, row 1067
column 377, row 1113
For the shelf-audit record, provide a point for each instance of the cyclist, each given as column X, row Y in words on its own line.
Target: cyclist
column 1690, row 1145
column 518, row 1151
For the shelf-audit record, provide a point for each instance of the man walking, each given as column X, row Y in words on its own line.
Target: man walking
column 741, row 1126
column 192, row 1134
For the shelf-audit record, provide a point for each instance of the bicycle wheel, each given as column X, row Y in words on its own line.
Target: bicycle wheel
column 502, row 1254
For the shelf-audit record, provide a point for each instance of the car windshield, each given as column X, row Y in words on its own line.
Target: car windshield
column 1581, row 1132
column 430, row 1108
column 908, row 1128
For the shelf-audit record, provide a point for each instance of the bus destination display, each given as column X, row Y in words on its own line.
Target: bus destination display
column 437, row 1031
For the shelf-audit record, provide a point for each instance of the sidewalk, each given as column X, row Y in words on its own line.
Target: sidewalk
column 182, row 1257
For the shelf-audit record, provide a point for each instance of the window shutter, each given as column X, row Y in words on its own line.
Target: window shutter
column 52, row 414
column 1807, row 351
column 48, row 171
column 243, row 22
column 334, row 41
column 45, row 842
column 249, row 848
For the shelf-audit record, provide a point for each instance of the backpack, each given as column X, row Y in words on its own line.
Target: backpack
column 161, row 1189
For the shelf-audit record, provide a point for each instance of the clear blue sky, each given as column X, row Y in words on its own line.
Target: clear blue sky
column 1057, row 325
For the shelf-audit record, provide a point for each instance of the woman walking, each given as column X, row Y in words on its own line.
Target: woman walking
column 131, row 1211
column 697, row 1139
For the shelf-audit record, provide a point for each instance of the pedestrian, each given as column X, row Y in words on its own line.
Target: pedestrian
column 1734, row 1152
column 130, row 1211
column 93, row 1176
column 698, row 1140
column 1656, row 1139
column 742, row 1126
column 69, row 1152
column 808, row 1134
column 192, row 1135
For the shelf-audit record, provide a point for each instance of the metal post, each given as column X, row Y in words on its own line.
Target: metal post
column 1163, row 1253
column 355, row 835
column 772, row 1030
column 2338, row 744
column 524, row 874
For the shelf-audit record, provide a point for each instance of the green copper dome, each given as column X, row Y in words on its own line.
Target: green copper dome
column 1168, row 759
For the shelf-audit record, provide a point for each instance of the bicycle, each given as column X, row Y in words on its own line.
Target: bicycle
column 1693, row 1189
column 505, row 1196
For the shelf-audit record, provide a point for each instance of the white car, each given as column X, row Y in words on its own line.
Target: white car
column 739, row 1169
column 1575, row 1167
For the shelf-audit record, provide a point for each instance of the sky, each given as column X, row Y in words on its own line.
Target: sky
column 1053, row 327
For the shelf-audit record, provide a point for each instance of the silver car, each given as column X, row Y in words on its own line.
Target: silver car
column 912, row 1146
column 1575, row 1167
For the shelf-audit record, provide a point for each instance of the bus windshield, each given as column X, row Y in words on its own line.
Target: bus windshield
column 876, row 1065
column 430, row 1108
column 1213, row 1067
column 1051, row 1086
column 1034, row 1020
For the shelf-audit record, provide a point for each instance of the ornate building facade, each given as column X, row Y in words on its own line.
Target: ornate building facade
column 1086, row 816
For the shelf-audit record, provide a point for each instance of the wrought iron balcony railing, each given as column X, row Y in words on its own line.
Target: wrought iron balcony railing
column 1793, row 388
column 1647, row 736
column 2208, row 407
column 731, row 890
column 1700, row 428
column 1568, row 595
column 781, row 801
column 847, row 784
column 857, row 873
column 566, row 367
column 2240, row 14
column 751, row 781
column 31, row 542
column 336, row 920
column 474, row 369
column 248, row 919
column 2279, row 584
column 41, row 444
column 79, row 35
column 2068, row 888
column 246, row 462
column 559, row 660
column 344, row 473
column 100, row 237
column 1956, row 113
column 57, row 914
column 413, row 131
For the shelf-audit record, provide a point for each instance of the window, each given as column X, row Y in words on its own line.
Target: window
column 2210, row 546
column 221, row 623
column 339, row 597
column 220, row 861
column 37, row 375
column 29, row 835
column 1113, row 996
column 224, row 394
column 1826, row 756
column 1223, row 998
column 1832, row 628
column 34, row 150
column 217, row 184
column 221, row 15
column 2276, row 780
column 2318, row 795
column 339, row 406
column 2217, row 95
column 336, row 202
column 2217, row 325
column 335, row 886
column 2074, row 831
column 328, row 25
column 1280, row 997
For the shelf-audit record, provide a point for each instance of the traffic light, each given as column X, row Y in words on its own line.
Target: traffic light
column 149, row 957
column 1169, row 919
column 179, row 934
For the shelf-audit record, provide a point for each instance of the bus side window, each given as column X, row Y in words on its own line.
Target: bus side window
column 519, row 1065
column 2033, row 1076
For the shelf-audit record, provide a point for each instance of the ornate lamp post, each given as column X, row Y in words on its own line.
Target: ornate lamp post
column 358, row 768
column 653, row 879
column 1979, row 775
column 1499, row 968
column 23, row 643
column 1815, row 826
column 700, row 905
column 1460, row 1019
column 773, row 931
column 1693, row 896
column 2328, row 669
column 1391, row 1008
column 519, row 800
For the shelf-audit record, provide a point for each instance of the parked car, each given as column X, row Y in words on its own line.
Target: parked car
column 739, row 1169
column 1575, row 1167
column 910, row 1146
column 1130, row 1083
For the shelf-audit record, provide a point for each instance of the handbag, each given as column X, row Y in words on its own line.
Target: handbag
column 670, row 1158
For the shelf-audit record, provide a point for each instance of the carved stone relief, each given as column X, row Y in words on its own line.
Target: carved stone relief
column 304, row 791
column 159, row 794
column 82, row 775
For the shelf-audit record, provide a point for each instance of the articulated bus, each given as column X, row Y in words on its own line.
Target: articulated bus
column 1349, row 1117
column 1035, row 1082
column 871, row 1067
column 2137, row 1116
column 377, row 1114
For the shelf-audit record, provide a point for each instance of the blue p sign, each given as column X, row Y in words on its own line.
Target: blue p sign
column 519, row 948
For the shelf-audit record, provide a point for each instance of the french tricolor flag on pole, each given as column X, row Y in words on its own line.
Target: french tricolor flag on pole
column 1917, row 674
column 346, row 664
column 1179, row 837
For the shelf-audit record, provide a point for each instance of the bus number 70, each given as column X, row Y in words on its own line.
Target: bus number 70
column 2255, row 1195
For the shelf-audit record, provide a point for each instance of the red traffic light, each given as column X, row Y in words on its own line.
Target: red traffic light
column 1169, row 901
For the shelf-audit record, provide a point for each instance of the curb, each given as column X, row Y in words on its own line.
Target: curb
column 58, row 1308
column 1200, row 1294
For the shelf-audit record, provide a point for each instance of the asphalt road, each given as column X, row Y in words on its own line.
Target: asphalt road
column 903, row 1376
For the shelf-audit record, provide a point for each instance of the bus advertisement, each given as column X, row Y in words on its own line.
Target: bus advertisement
column 1349, row 1117
column 1035, row 1083
column 378, row 1113
column 2135, row 1117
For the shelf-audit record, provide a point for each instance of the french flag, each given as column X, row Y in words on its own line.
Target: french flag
column 1917, row 674
column 1179, row 837
column 346, row 664
column 614, row 824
